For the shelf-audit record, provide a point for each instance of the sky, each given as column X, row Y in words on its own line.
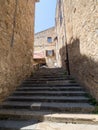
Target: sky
column 45, row 15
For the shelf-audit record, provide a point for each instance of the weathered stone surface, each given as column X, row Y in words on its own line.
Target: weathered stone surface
column 82, row 38
column 47, row 125
column 41, row 45
column 61, row 35
column 16, row 43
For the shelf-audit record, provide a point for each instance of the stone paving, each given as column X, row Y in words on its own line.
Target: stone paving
column 33, row 125
column 63, row 126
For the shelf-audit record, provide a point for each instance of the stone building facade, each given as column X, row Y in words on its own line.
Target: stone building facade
column 61, row 35
column 81, row 24
column 45, row 47
column 16, row 43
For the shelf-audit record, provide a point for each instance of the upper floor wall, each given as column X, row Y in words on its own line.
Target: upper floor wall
column 45, row 38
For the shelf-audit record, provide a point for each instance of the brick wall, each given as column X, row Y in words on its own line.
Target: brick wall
column 16, row 43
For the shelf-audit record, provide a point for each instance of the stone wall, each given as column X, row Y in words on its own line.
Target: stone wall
column 41, row 45
column 81, row 18
column 16, row 43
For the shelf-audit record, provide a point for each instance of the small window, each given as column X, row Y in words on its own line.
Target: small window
column 49, row 52
column 49, row 39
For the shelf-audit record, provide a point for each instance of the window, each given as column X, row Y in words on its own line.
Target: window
column 49, row 52
column 49, row 39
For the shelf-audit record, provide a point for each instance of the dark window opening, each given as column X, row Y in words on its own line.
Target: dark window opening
column 49, row 52
column 49, row 39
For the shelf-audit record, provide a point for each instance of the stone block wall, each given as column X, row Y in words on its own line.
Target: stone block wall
column 81, row 18
column 16, row 43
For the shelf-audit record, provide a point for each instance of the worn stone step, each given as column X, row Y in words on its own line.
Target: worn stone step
column 49, row 125
column 57, row 107
column 18, row 124
column 47, row 92
column 49, row 79
column 51, row 73
column 65, row 99
column 51, row 76
column 50, row 85
column 32, row 88
column 53, row 93
column 48, row 70
column 50, row 116
column 58, row 82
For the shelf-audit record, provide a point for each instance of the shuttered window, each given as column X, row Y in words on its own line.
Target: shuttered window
column 49, row 52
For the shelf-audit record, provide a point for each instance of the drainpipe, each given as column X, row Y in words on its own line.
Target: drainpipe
column 67, row 54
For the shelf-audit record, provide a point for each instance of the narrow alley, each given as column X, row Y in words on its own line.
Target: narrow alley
column 49, row 65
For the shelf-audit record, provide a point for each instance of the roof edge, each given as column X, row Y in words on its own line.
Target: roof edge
column 53, row 27
column 37, row 0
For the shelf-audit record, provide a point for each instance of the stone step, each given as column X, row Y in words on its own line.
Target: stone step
column 42, row 96
column 58, row 82
column 49, row 75
column 49, row 93
column 65, row 99
column 52, row 76
column 18, row 125
column 56, row 107
column 50, row 88
column 46, row 81
column 51, row 70
column 49, row 79
column 50, row 116
column 49, row 125
column 50, row 85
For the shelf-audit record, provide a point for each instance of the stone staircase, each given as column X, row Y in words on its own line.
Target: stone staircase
column 47, row 92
